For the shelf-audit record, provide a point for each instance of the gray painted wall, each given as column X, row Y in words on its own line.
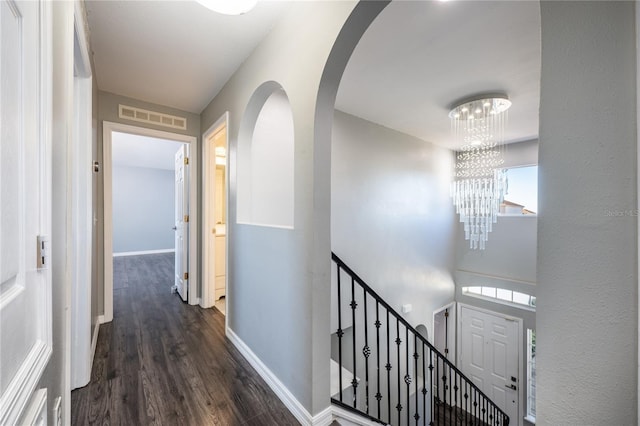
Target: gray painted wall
column 276, row 303
column 587, row 313
column 143, row 209
column 392, row 220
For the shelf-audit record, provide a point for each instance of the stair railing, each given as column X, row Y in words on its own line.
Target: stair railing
column 388, row 372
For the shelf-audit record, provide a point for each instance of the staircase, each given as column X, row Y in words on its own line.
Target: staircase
column 383, row 370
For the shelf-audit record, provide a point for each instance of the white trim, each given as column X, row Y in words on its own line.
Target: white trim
column 80, row 201
column 208, row 296
column 339, row 413
column 94, row 342
column 323, row 418
column 139, row 253
column 107, row 129
column 530, row 419
column 37, row 412
column 17, row 395
column 281, row 391
column 521, row 401
column 265, row 225
column 101, row 319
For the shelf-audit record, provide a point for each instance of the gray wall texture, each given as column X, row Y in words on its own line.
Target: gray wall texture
column 587, row 313
column 143, row 209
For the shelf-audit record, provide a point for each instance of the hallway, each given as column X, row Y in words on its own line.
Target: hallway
column 164, row 362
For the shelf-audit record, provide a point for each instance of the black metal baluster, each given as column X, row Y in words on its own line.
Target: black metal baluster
column 424, row 386
column 354, row 382
column 415, row 375
column 407, row 376
column 366, row 351
column 339, row 333
column 433, row 395
column 388, row 367
column 438, row 402
column 398, row 342
column 378, row 395
column 450, row 399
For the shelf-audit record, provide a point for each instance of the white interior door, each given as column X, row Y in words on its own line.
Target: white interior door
column 182, row 222
column 488, row 355
column 25, row 209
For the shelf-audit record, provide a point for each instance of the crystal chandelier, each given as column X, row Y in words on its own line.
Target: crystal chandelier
column 480, row 182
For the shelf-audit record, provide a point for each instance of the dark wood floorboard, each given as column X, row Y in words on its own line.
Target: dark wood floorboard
column 163, row 362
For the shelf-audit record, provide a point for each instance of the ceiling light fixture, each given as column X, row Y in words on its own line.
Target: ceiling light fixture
column 229, row 7
column 480, row 182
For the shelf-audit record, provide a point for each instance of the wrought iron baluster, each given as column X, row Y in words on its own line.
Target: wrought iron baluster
column 339, row 333
column 424, row 386
column 398, row 342
column 407, row 376
column 378, row 395
column 354, row 382
column 388, row 367
column 366, row 351
column 433, row 395
column 416, row 416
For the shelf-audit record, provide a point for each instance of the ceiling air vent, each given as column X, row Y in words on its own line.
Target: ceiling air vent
column 151, row 117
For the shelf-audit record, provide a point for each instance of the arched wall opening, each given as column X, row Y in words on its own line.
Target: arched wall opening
column 265, row 163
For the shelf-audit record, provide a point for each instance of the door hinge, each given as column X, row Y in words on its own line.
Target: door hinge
column 186, row 161
column 186, row 275
column 186, row 218
column 43, row 252
column 446, row 313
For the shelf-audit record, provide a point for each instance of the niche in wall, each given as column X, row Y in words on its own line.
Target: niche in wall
column 265, row 159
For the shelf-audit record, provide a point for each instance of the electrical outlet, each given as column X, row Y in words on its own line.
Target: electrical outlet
column 57, row 411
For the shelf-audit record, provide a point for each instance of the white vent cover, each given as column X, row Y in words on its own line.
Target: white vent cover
column 151, row 117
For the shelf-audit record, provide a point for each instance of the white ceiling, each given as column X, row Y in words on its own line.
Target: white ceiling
column 419, row 57
column 412, row 64
column 174, row 53
column 143, row 151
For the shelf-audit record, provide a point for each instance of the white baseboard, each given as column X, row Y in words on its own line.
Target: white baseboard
column 138, row 253
column 281, row 391
column 323, row 418
column 101, row 319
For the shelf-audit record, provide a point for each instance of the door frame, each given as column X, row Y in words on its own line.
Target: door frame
column 453, row 334
column 208, row 288
column 519, row 346
column 108, row 128
column 82, row 344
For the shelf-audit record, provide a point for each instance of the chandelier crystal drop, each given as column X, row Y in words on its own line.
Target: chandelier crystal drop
column 480, row 181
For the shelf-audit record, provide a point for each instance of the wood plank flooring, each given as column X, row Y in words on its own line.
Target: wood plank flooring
column 163, row 362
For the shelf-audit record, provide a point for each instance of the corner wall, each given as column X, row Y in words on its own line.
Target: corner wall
column 587, row 313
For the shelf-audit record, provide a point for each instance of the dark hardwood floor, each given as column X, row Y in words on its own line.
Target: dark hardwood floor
column 163, row 362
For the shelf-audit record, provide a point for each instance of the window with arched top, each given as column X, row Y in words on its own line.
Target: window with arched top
column 265, row 173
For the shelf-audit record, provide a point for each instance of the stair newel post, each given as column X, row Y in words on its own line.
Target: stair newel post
column 339, row 333
column 388, row 367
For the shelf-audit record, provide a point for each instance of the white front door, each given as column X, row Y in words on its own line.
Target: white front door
column 182, row 222
column 488, row 355
column 25, row 204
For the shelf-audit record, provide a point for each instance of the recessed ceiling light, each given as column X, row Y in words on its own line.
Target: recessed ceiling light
column 229, row 7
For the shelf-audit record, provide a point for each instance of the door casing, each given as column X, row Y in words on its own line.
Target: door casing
column 208, row 286
column 107, row 129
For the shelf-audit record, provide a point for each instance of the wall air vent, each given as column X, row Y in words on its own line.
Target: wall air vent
column 151, row 117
